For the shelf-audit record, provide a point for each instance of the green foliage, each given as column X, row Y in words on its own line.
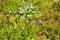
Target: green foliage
column 25, row 20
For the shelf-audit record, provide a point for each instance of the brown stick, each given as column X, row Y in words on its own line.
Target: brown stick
column 40, row 35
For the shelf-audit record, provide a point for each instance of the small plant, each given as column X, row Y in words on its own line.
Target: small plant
column 29, row 10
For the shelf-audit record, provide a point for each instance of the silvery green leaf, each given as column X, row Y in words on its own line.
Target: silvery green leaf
column 20, row 8
column 21, row 12
column 55, row 1
column 33, row 11
column 9, row 11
